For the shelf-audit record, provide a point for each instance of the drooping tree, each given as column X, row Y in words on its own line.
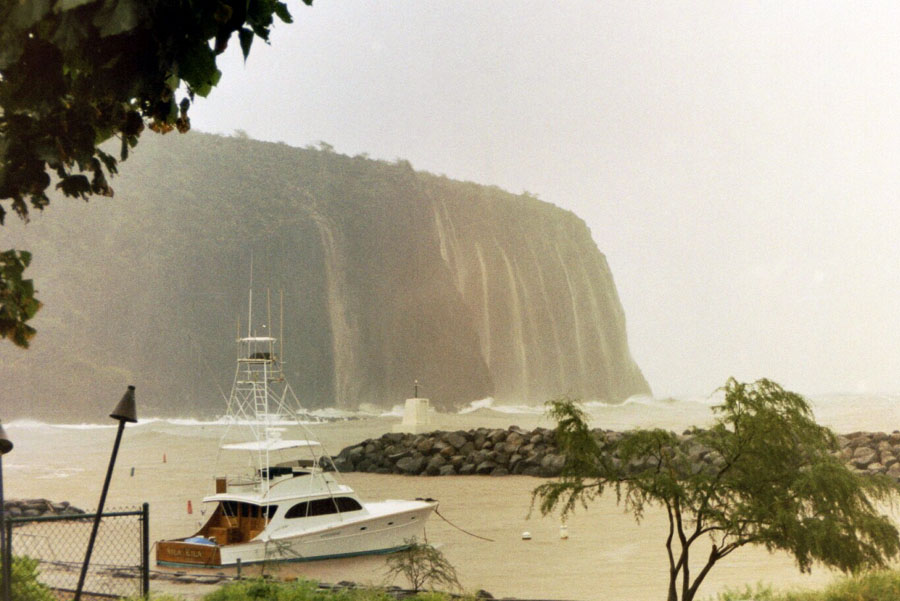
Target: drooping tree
column 76, row 73
column 763, row 474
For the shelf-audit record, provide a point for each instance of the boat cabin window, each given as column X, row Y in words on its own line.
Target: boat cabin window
column 275, row 471
column 323, row 507
column 248, row 510
column 347, row 504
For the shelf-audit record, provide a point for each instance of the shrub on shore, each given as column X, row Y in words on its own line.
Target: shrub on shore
column 871, row 586
column 300, row 590
column 25, row 585
column 423, row 566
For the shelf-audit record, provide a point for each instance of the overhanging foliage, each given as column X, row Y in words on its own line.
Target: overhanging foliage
column 17, row 302
column 75, row 73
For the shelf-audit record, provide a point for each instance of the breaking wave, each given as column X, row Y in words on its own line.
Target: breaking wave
column 490, row 404
column 522, row 409
column 836, row 410
column 395, row 411
column 31, row 424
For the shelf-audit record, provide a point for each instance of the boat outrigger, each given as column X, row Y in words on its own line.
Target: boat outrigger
column 284, row 507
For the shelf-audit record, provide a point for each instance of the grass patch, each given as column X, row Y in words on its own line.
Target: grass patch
column 881, row 585
column 308, row 590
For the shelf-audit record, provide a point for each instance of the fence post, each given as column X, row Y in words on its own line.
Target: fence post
column 145, row 550
column 7, row 560
column 6, row 446
column 124, row 412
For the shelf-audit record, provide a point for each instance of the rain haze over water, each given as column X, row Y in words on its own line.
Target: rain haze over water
column 736, row 163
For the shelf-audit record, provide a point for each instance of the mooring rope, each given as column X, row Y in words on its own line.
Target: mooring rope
column 490, row 540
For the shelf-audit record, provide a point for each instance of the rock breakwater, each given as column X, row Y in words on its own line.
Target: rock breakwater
column 872, row 452
column 483, row 451
column 32, row 508
column 498, row 452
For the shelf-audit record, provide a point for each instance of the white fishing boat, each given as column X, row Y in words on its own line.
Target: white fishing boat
column 285, row 505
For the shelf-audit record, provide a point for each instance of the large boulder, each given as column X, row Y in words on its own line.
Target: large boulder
column 411, row 465
column 863, row 456
column 457, row 439
column 485, row 467
column 435, row 464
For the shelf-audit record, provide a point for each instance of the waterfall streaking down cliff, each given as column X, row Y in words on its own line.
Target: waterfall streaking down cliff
column 542, row 299
column 389, row 275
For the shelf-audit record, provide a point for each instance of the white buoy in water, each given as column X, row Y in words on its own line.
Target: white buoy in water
column 563, row 531
column 526, row 535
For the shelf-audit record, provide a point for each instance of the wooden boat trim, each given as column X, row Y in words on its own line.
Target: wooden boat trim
column 180, row 552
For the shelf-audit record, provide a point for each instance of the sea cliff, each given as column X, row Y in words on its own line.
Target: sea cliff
column 389, row 275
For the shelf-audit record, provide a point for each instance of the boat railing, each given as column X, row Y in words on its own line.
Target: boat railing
column 236, row 484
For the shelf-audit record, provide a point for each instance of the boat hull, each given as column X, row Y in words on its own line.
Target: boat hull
column 373, row 534
column 180, row 553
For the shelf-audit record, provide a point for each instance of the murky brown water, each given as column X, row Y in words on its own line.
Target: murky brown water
column 607, row 555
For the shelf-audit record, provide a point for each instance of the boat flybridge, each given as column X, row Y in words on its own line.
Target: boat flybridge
column 284, row 505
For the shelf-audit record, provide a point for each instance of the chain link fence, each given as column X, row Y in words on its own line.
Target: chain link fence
column 119, row 562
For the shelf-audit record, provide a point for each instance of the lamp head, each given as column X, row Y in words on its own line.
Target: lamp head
column 125, row 411
column 6, row 444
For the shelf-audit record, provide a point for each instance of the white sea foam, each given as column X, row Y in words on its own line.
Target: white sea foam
column 590, row 405
column 219, row 421
column 62, row 472
column 364, row 410
column 519, row 409
column 833, row 409
column 490, row 403
column 31, row 424
column 395, row 411
column 334, row 413
column 26, row 424
column 476, row 405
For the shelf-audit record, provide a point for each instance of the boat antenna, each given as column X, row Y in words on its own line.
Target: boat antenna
column 416, row 394
column 281, row 326
column 269, row 309
column 250, row 304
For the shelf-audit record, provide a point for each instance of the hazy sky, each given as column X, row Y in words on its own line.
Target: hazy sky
column 738, row 163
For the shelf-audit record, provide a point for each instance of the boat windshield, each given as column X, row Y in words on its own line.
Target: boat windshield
column 324, row 506
column 248, row 510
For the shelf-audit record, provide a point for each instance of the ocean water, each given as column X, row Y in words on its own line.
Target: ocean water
column 606, row 556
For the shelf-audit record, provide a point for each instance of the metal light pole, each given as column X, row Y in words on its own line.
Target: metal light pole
column 124, row 412
column 6, row 446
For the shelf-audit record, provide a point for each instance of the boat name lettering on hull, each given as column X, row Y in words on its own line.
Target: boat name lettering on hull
column 187, row 553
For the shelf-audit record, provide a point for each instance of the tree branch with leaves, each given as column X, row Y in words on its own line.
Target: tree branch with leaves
column 17, row 302
column 763, row 474
column 76, row 73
